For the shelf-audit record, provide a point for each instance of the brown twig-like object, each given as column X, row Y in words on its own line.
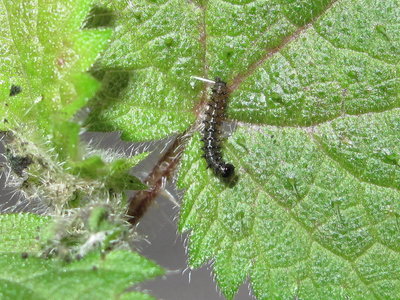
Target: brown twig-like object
column 140, row 202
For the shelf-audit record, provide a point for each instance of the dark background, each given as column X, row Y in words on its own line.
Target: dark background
column 159, row 239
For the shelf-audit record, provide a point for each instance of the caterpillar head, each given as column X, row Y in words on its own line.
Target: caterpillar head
column 220, row 87
column 226, row 170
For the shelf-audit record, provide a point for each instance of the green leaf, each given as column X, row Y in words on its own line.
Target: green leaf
column 66, row 140
column 114, row 174
column 45, row 54
column 314, row 210
column 118, row 178
column 45, row 84
column 19, row 232
column 95, row 276
column 11, row 290
column 155, row 50
column 91, row 167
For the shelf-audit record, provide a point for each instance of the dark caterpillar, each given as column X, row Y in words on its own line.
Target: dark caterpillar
column 215, row 114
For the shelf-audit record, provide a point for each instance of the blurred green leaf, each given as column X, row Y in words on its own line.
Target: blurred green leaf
column 42, row 70
column 20, row 232
column 114, row 174
column 95, row 276
column 45, row 54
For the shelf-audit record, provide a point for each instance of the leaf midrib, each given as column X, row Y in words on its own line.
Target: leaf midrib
column 238, row 79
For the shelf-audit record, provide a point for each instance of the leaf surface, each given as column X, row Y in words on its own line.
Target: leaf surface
column 46, row 54
column 95, row 276
column 314, row 210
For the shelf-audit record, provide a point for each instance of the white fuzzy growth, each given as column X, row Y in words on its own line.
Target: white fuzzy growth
column 95, row 240
column 46, row 181
column 46, row 186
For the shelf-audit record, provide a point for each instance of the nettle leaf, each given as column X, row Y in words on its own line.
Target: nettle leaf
column 314, row 210
column 146, row 70
column 114, row 174
column 45, row 54
column 95, row 276
column 20, row 232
